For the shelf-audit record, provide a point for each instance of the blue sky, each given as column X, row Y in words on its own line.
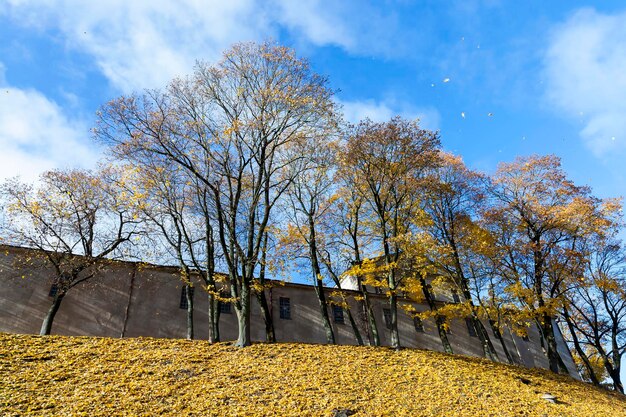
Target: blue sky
column 497, row 78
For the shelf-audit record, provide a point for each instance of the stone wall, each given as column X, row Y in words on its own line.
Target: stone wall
column 127, row 299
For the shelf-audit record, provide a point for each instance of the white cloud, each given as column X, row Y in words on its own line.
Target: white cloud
column 585, row 67
column 319, row 21
column 36, row 136
column 378, row 111
column 145, row 43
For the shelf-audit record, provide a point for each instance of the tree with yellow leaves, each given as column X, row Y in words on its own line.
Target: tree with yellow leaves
column 454, row 198
column 178, row 214
column 233, row 126
column 311, row 206
column 594, row 311
column 75, row 220
column 536, row 217
column 389, row 159
column 349, row 221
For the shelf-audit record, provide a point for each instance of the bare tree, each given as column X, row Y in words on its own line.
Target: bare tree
column 595, row 312
column 175, row 206
column 390, row 158
column 232, row 126
column 76, row 221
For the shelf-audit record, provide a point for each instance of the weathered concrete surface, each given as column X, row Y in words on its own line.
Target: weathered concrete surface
column 128, row 299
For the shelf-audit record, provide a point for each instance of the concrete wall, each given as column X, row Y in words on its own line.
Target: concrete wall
column 129, row 300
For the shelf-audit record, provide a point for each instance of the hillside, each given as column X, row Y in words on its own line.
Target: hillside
column 58, row 375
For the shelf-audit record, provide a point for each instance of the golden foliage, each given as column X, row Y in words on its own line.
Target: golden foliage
column 145, row 377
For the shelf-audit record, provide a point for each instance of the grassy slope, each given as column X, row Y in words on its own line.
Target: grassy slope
column 57, row 376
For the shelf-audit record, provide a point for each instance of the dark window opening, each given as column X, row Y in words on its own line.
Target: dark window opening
column 471, row 328
column 285, row 308
column 496, row 331
column 54, row 289
column 183, row 296
column 338, row 314
column 387, row 317
column 455, row 297
column 225, row 306
column 419, row 326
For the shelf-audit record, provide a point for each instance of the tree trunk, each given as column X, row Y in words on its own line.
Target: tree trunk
column 214, row 319
column 393, row 308
column 355, row 328
column 266, row 311
column 318, row 283
column 46, row 326
column 393, row 297
column 508, row 355
column 213, row 308
column 579, row 350
column 374, row 338
column 242, row 308
column 488, row 350
column 270, row 335
column 617, row 379
column 439, row 320
column 189, row 297
column 328, row 329
column 551, row 348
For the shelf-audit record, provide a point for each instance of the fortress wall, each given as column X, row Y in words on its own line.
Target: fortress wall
column 128, row 300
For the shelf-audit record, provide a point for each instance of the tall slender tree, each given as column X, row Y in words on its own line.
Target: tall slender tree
column 536, row 215
column 76, row 221
column 595, row 313
column 234, row 127
column 452, row 205
column 390, row 158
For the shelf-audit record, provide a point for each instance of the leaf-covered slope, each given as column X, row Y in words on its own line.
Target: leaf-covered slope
column 57, row 375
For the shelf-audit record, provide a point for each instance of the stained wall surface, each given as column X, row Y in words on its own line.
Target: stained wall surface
column 127, row 299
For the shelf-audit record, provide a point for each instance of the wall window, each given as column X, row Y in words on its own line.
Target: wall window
column 496, row 331
column 419, row 326
column 338, row 314
column 455, row 297
column 285, row 308
column 225, row 306
column 54, row 289
column 183, row 296
column 387, row 317
column 471, row 329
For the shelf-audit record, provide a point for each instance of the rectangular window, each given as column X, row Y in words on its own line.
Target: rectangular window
column 338, row 314
column 183, row 296
column 54, row 289
column 455, row 297
column 496, row 331
column 387, row 317
column 419, row 326
column 285, row 308
column 471, row 329
column 225, row 306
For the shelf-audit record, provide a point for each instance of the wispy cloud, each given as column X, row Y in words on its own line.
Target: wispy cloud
column 585, row 67
column 35, row 135
column 380, row 111
column 145, row 43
